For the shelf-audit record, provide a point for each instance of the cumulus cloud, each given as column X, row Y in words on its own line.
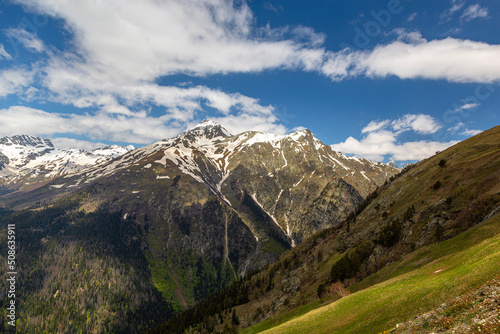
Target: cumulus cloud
column 122, row 48
column 375, row 125
column 151, row 39
column 240, row 123
column 103, row 126
column 381, row 140
column 449, row 59
column 423, row 124
column 139, row 128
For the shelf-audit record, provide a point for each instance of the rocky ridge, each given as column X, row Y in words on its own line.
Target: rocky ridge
column 274, row 172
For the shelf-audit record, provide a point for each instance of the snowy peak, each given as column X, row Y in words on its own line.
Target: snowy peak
column 113, row 150
column 27, row 141
column 207, row 123
column 207, row 129
column 392, row 164
column 24, row 155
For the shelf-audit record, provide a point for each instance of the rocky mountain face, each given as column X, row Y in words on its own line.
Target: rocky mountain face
column 182, row 218
column 27, row 160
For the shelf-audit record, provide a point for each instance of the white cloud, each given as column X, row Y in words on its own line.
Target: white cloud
column 122, row 47
column 378, row 145
column 375, row 125
column 269, row 6
column 456, row 127
column 139, row 128
column 413, row 57
column 143, row 130
column 17, row 120
column 381, row 140
column 456, row 5
column 471, row 132
column 473, row 12
column 12, row 81
column 4, row 53
column 468, row 106
column 420, row 123
column 62, row 142
column 423, row 124
column 27, row 39
column 450, row 59
column 412, row 17
column 145, row 40
column 240, row 123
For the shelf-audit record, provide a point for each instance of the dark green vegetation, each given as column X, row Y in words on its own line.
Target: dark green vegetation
column 118, row 266
column 408, row 248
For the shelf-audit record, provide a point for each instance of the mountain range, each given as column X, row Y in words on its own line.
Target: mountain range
column 27, row 160
column 130, row 241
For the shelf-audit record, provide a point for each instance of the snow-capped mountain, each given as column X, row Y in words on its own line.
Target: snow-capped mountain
column 201, row 209
column 292, row 178
column 22, row 156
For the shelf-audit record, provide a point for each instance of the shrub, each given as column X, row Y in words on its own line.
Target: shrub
column 442, row 163
column 436, row 185
column 349, row 264
column 390, row 234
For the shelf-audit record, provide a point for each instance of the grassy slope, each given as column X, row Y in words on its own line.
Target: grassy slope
column 444, row 271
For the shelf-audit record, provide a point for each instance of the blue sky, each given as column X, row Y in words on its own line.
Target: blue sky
column 392, row 79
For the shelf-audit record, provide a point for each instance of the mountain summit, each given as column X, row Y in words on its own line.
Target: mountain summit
column 207, row 130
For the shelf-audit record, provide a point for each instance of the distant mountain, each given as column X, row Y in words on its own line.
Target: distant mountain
column 175, row 221
column 25, row 160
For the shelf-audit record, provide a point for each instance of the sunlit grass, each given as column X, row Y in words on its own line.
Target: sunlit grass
column 442, row 272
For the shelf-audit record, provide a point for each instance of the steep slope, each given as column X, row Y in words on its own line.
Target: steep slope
column 175, row 220
column 465, row 263
column 415, row 218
